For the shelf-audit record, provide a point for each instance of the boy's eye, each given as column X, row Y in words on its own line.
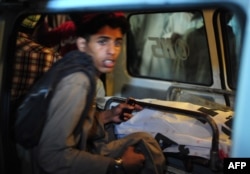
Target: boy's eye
column 102, row 41
column 118, row 43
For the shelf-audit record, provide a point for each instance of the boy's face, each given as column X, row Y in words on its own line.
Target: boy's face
column 104, row 47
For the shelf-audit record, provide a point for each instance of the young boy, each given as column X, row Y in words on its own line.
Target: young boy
column 100, row 35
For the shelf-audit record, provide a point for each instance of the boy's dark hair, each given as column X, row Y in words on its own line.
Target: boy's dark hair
column 91, row 23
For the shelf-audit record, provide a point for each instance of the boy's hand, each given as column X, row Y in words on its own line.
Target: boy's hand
column 119, row 115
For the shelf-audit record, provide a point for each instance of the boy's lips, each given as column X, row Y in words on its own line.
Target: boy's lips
column 109, row 63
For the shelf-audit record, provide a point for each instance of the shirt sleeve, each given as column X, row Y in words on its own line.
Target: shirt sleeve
column 57, row 152
column 100, row 90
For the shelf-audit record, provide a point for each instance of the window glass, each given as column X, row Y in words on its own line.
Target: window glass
column 232, row 40
column 169, row 46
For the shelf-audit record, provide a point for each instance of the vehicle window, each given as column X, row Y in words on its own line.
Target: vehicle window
column 169, row 46
column 232, row 40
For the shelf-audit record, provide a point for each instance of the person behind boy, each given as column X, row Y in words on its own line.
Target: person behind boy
column 100, row 35
column 32, row 59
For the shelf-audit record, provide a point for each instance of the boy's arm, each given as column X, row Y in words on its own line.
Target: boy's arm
column 57, row 149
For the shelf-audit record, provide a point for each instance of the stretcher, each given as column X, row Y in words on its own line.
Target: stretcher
column 193, row 138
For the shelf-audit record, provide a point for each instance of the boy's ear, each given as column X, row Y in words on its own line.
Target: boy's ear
column 81, row 44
